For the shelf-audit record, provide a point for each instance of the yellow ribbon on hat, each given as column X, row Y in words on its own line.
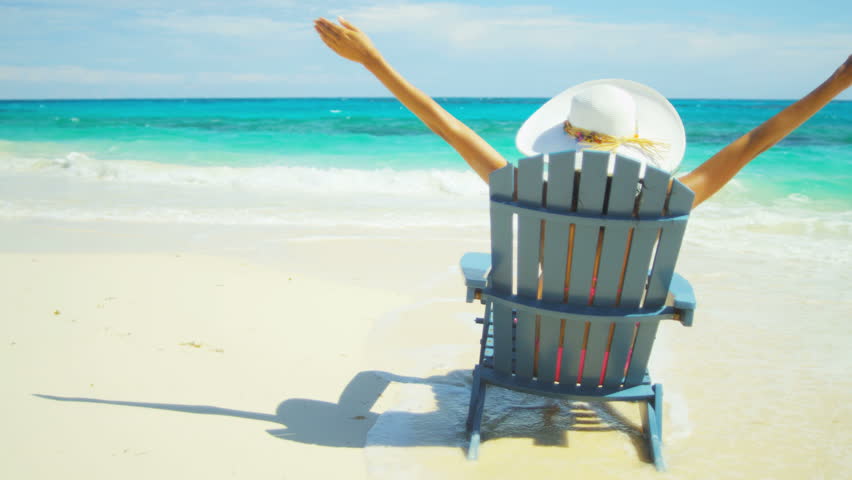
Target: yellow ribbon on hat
column 601, row 141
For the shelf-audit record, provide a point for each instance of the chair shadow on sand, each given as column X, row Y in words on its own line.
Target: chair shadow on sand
column 348, row 422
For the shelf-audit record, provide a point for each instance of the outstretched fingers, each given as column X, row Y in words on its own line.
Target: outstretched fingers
column 326, row 28
column 328, row 34
column 348, row 25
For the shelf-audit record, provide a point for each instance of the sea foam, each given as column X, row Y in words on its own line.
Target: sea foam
column 263, row 178
column 78, row 187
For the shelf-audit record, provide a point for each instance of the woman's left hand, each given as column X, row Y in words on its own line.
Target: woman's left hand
column 346, row 40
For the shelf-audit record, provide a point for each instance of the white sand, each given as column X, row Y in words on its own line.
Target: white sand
column 155, row 351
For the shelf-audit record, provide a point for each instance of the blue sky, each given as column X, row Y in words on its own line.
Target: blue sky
column 267, row 48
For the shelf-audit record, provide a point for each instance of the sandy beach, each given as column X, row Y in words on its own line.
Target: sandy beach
column 156, row 350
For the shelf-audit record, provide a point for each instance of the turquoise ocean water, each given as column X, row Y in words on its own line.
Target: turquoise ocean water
column 367, row 146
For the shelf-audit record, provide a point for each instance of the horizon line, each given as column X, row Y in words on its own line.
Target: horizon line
column 360, row 97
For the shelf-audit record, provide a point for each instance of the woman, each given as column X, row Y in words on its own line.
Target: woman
column 351, row 43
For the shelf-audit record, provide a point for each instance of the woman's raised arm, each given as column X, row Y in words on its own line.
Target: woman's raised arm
column 351, row 43
column 713, row 174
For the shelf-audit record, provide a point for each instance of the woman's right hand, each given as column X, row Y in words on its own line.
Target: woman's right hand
column 346, row 40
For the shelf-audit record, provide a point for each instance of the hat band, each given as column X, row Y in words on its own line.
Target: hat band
column 601, row 141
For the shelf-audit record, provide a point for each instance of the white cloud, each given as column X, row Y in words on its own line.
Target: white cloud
column 165, row 4
column 226, row 78
column 237, row 26
column 85, row 76
column 69, row 74
column 540, row 32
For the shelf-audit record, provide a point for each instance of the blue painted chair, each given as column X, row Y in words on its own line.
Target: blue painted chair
column 580, row 274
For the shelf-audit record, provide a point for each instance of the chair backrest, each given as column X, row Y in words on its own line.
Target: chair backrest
column 580, row 257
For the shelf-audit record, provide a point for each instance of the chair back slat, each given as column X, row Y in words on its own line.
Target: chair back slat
column 622, row 199
column 503, row 321
column 655, row 187
column 572, row 351
column 560, row 188
column 530, row 186
column 671, row 236
column 651, row 200
column 593, row 177
column 530, row 194
column 664, row 261
column 596, row 347
column 560, row 180
column 680, row 199
column 638, row 368
column 556, row 260
column 502, row 186
column 548, row 347
column 619, row 354
column 583, row 249
column 525, row 347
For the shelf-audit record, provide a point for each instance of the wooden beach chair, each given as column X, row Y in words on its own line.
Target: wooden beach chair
column 577, row 281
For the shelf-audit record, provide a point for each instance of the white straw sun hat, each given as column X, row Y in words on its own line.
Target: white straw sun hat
column 619, row 108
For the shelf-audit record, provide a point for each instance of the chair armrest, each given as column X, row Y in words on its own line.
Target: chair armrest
column 475, row 268
column 684, row 299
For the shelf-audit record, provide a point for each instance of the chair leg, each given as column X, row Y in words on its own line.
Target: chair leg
column 475, row 419
column 653, row 424
column 474, row 395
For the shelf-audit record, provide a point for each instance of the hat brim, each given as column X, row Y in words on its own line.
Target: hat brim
column 656, row 119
